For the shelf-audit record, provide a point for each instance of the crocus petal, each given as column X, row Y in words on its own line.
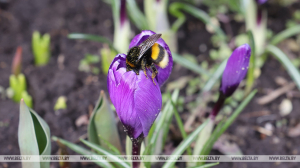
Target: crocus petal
column 236, row 69
column 123, row 15
column 137, row 100
column 163, row 73
column 261, row 1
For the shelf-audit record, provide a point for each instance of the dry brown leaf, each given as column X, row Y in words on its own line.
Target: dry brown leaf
column 228, row 148
column 263, row 130
column 294, row 132
column 82, row 120
column 274, row 94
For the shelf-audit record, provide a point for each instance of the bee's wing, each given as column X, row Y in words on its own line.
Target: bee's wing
column 148, row 43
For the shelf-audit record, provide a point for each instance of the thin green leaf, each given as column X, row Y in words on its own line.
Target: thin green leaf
column 102, row 151
column 285, row 34
column 185, row 144
column 33, row 136
column 222, row 128
column 203, row 137
column 250, row 74
column 168, row 118
column 78, row 149
column 198, row 13
column 115, row 6
column 158, row 129
column 189, row 65
column 91, row 38
column 27, row 137
column 214, row 77
column 180, row 125
column 148, row 152
column 128, row 146
column 206, row 165
column 292, row 70
column 174, row 10
column 137, row 17
column 110, row 146
column 102, row 128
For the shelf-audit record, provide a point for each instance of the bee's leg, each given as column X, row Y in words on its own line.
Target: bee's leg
column 154, row 72
column 143, row 65
column 128, row 68
column 136, row 71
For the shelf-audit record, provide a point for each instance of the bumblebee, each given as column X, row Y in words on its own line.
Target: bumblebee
column 147, row 55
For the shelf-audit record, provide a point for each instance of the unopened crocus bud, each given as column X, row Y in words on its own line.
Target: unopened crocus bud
column 136, row 98
column 122, row 27
column 256, row 21
column 235, row 71
column 261, row 1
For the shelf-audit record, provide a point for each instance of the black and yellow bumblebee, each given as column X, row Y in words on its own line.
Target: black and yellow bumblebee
column 147, row 55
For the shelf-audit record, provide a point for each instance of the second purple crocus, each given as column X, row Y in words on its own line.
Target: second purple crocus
column 235, row 71
column 136, row 98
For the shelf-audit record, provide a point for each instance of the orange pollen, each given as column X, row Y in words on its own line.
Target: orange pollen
column 130, row 64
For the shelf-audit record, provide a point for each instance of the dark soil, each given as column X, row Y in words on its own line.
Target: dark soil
column 18, row 20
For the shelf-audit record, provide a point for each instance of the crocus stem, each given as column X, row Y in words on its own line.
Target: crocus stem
column 136, row 148
column 218, row 106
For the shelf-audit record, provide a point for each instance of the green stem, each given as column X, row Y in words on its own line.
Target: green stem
column 181, row 127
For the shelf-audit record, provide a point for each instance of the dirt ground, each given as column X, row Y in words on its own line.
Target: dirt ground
column 20, row 18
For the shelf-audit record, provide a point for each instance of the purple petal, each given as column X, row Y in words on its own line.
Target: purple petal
column 123, row 15
column 137, row 100
column 259, row 16
column 163, row 73
column 236, row 69
column 261, row 1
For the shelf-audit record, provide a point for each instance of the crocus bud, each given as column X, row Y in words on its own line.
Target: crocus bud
column 261, row 1
column 136, row 98
column 256, row 21
column 122, row 27
column 235, row 70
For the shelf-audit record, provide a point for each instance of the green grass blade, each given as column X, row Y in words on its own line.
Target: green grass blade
column 78, row 149
column 102, row 128
column 214, row 77
column 180, row 125
column 250, row 74
column 137, row 17
column 206, row 165
column 197, row 13
column 185, row 144
column 91, row 37
column 218, row 132
column 189, row 65
column 109, row 155
column 174, row 10
column 33, row 136
column 285, row 34
column 283, row 58
column 162, row 125
column 110, row 146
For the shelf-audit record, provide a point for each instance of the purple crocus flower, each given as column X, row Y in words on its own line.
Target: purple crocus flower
column 136, row 98
column 261, row 1
column 123, row 14
column 235, row 71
